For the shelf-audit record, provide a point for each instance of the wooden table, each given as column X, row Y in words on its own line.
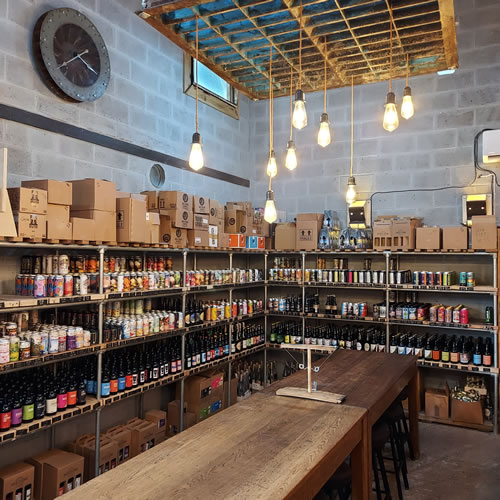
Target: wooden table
column 264, row 447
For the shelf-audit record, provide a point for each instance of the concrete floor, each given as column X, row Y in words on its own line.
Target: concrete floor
column 454, row 464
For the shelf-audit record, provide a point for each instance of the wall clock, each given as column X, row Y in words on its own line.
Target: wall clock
column 71, row 56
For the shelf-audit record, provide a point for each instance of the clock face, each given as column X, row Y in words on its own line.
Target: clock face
column 71, row 55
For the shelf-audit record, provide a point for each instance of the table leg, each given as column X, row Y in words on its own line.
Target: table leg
column 413, row 408
column 361, row 464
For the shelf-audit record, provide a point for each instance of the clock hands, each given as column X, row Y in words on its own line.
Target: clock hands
column 65, row 63
column 87, row 64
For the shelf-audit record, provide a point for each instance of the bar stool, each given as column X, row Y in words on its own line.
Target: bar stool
column 380, row 436
column 402, row 396
column 339, row 483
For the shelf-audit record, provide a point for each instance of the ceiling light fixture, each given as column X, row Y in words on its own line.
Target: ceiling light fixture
column 324, row 137
column 391, row 120
column 350, row 196
column 272, row 167
column 291, row 157
column 270, row 214
column 196, row 155
column 407, row 109
column 299, row 119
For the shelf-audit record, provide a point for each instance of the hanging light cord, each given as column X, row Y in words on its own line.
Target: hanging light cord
column 196, row 73
column 407, row 68
column 324, row 97
column 352, row 121
column 390, row 58
column 300, row 46
column 270, row 99
column 291, row 102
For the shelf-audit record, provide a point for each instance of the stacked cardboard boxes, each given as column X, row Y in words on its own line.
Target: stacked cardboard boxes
column 307, row 231
column 29, row 206
column 93, row 211
column 159, row 419
column 122, row 436
column 143, row 435
column 17, row 481
column 59, row 200
column 173, row 415
column 131, row 224
column 199, row 236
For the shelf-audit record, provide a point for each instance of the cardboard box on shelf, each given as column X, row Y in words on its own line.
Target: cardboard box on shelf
column 469, row 413
column 28, row 201
column 213, row 241
column 94, row 194
column 57, row 472
column 284, row 238
column 173, row 413
column 104, row 223
column 236, row 240
column 58, row 192
column 404, row 232
column 246, row 206
column 60, row 213
column 143, row 435
column 83, row 229
column 428, row 238
column 57, row 230
column 251, row 242
column 153, row 227
column 175, row 200
column 17, row 479
column 213, row 231
column 131, row 218
column 200, row 222
column 122, row 436
column 216, row 211
column 382, row 232
column 31, row 225
column 175, row 237
column 484, row 232
column 261, row 242
column 197, row 238
column 152, row 200
column 307, row 231
column 157, row 417
column 180, row 217
column 437, row 402
column 223, row 240
column 201, row 205
column 204, row 394
column 235, row 221
column 455, row 238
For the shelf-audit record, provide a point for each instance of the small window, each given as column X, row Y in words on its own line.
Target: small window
column 212, row 89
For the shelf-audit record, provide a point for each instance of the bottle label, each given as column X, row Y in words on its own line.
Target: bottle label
column 5, row 420
column 105, row 388
column 128, row 381
column 477, row 359
column 113, row 386
column 16, row 416
column 392, row 349
column 62, row 401
column 487, row 360
column 72, row 398
column 445, row 356
column 81, row 397
column 122, row 384
column 51, row 406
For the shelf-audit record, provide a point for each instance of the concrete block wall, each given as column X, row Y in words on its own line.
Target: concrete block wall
column 432, row 149
column 144, row 104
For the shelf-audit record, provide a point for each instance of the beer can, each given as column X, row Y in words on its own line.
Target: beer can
column 119, row 282
column 93, row 283
column 19, row 284
column 416, row 278
column 423, row 278
column 363, row 309
column 381, row 277
column 57, row 285
column 462, row 278
column 47, row 264
column 448, row 314
column 344, row 309
column 488, row 315
column 63, row 267
column 39, row 286
column 84, row 284
column 430, row 278
column 106, row 282
column 464, row 316
column 438, row 278
column 471, row 281
column 355, row 309
column 456, row 314
column 76, row 284
column 441, row 314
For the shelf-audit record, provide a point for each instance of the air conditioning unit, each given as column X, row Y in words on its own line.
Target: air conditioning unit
column 491, row 146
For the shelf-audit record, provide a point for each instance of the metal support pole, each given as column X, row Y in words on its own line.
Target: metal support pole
column 303, row 254
column 387, row 325
column 229, row 366
column 101, row 269
column 181, row 409
column 97, row 441
column 495, row 403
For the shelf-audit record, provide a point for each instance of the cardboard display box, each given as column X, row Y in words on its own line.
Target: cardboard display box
column 58, row 192
column 455, row 238
column 108, row 456
column 143, row 435
column 104, row 223
column 180, row 217
column 17, row 481
column 175, row 237
column 428, row 238
column 131, row 218
column 484, row 232
column 59, row 230
column 197, row 238
column 201, row 205
column 284, row 238
column 223, row 240
column 236, row 241
column 200, row 222
column 57, row 472
column 437, row 402
column 28, row 201
column 404, row 232
column 246, row 206
column 175, row 200
column 83, row 229
column 94, row 194
column 382, row 232
column 307, row 231
column 216, row 211
column 122, row 436
column 157, row 417
column 204, row 395
column 152, row 200
column 469, row 413
column 153, row 227
column 235, row 221
column 60, row 213
column 31, row 225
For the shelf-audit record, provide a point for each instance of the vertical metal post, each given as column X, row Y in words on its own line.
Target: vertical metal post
column 303, row 254
column 495, row 403
column 387, row 325
column 229, row 384
column 265, row 318
column 101, row 269
column 97, row 441
column 181, row 407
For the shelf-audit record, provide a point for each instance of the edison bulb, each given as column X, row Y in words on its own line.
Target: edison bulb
column 196, row 155
column 324, row 137
column 272, row 167
column 391, row 120
column 291, row 157
column 299, row 117
column 270, row 214
column 350, row 196
column 407, row 109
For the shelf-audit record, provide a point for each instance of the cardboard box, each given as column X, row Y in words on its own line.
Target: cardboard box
column 58, row 213
column 469, row 413
column 455, row 238
column 261, row 242
column 153, row 226
column 307, row 231
column 216, row 211
column 251, row 242
column 382, row 232
column 223, row 240
column 58, row 192
column 235, row 221
column 122, row 436
column 152, row 200
column 159, row 437
column 213, row 241
column 404, row 232
column 437, row 403
column 57, row 472
column 246, row 206
column 236, row 241
column 59, row 230
column 213, row 231
column 143, row 435
column 234, row 392
column 200, row 222
column 17, row 479
column 131, row 218
column 204, row 395
column 173, row 413
column 173, row 200
column 484, row 232
column 180, row 217
column 175, row 237
column 157, row 417
column 428, row 238
column 285, row 236
column 83, row 229
column 201, row 205
column 197, row 238
column 31, row 225
column 104, row 223
column 28, row 201
column 94, row 194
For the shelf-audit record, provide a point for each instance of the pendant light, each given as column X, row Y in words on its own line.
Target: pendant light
column 350, row 196
column 407, row 110
column 324, row 137
column 291, row 157
column 272, row 167
column 391, row 120
column 299, row 118
column 270, row 214
column 196, row 155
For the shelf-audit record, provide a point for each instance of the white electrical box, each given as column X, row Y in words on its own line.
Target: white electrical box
column 491, row 146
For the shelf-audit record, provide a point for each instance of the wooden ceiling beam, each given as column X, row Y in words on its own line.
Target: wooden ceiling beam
column 447, row 13
column 163, row 7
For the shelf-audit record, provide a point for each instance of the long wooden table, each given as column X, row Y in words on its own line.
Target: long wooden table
column 264, row 447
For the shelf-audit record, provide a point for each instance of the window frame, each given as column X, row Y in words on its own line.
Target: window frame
column 213, row 100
